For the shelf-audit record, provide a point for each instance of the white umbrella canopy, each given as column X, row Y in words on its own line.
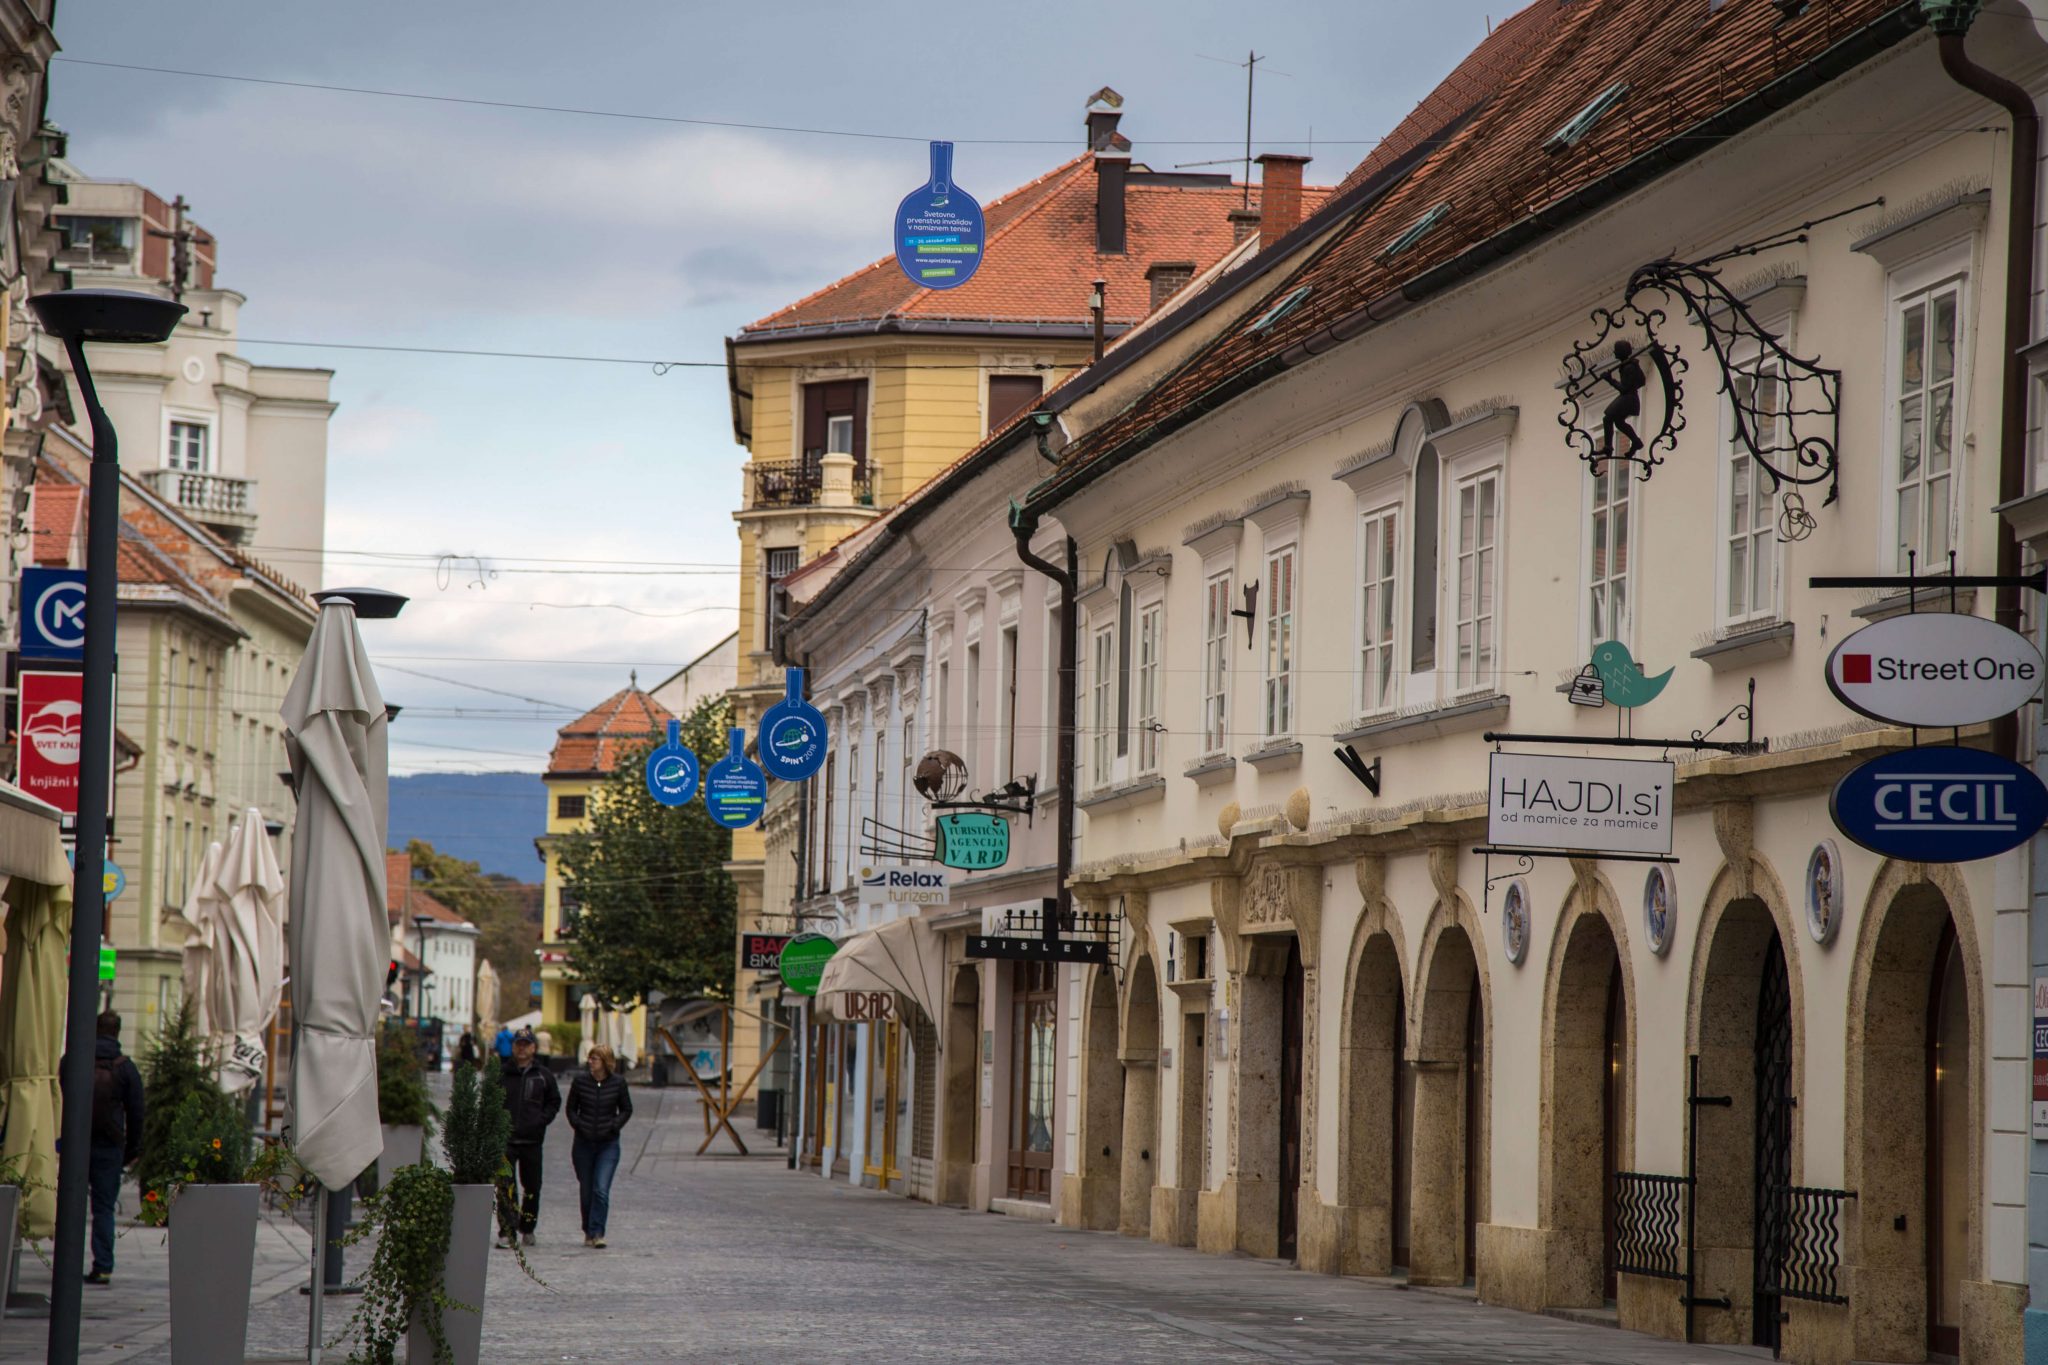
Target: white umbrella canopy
column 248, row 951
column 486, row 1003
column 588, row 1009
column 336, row 735
column 202, row 933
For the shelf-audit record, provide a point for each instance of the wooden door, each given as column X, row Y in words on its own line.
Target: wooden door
column 1034, row 1055
column 1290, row 1101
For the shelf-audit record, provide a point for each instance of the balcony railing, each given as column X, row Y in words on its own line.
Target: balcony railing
column 220, row 501
column 1649, row 1224
column 799, row 483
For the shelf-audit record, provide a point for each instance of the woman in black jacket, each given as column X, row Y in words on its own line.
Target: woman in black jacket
column 599, row 1105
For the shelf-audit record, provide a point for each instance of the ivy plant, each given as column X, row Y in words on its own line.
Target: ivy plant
column 410, row 1219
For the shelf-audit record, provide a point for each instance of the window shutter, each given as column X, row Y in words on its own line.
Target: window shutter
column 859, row 405
column 814, row 422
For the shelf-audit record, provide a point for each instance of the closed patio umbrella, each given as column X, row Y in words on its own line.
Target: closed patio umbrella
column 248, row 951
column 338, row 937
column 32, row 992
column 486, row 1003
column 202, row 929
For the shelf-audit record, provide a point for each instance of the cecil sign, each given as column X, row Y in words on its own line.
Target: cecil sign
column 1935, row 669
column 1608, row 805
column 1940, row 804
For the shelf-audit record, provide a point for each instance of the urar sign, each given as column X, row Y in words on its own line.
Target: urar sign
column 1600, row 805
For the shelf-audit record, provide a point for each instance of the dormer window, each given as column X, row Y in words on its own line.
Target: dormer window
column 1581, row 123
column 1415, row 231
column 1281, row 309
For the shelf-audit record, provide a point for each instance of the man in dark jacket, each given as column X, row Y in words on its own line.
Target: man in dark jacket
column 533, row 1100
column 116, row 1138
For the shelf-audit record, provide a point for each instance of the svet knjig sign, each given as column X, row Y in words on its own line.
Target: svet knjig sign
column 1936, row 670
column 1602, row 805
column 1940, row 804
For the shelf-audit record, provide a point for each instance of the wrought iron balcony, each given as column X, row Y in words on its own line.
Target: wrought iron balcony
column 220, row 502
column 800, row 483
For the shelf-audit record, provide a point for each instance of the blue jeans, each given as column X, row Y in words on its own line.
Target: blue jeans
column 105, row 1184
column 596, row 1163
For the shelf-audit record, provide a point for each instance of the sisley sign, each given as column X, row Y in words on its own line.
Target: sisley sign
column 1940, row 804
column 1935, row 669
column 1605, row 805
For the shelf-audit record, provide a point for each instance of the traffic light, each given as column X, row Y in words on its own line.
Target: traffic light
column 391, row 974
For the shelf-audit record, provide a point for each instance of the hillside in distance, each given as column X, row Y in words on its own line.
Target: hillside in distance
column 490, row 819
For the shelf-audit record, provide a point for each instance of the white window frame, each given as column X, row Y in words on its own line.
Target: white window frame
column 1621, row 475
column 1770, row 604
column 1217, row 621
column 1375, row 523
column 1101, row 692
column 1461, row 475
column 209, row 455
column 1148, row 682
column 1920, row 281
column 838, row 424
column 1280, row 689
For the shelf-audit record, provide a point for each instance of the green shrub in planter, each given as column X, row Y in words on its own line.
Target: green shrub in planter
column 207, row 1144
column 175, row 1066
column 477, row 1126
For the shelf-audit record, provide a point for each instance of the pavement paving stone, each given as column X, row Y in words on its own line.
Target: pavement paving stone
column 733, row 1261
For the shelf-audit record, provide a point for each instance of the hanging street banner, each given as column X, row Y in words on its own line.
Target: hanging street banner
column 736, row 790
column 672, row 769
column 762, row 952
column 1599, row 805
column 802, row 962
column 1935, row 669
column 48, row 716
column 894, row 884
column 52, row 613
column 792, row 734
column 973, row 841
column 1940, row 804
column 939, row 230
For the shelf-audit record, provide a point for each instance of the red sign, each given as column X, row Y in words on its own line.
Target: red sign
column 763, row 952
column 49, row 721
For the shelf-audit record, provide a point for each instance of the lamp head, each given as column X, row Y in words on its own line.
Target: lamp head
column 371, row 604
column 107, row 315
column 1950, row 16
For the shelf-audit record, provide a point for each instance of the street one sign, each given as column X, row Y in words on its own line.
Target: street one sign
column 49, row 718
column 792, row 734
column 973, row 841
column 902, row 884
column 762, row 952
column 52, row 613
column 1940, row 804
column 736, row 790
column 803, row 962
column 672, row 769
column 1601, row 805
column 1935, row 669
column 939, row 229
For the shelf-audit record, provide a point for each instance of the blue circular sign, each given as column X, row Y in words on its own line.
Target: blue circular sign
column 736, row 790
column 792, row 734
column 1940, row 804
column 939, row 230
column 672, row 769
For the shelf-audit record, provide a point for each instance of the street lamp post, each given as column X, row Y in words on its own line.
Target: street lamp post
column 419, row 1013
column 76, row 317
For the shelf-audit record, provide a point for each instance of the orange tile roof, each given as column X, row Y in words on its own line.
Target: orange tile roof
column 398, row 905
column 593, row 744
column 1684, row 68
column 59, row 522
column 1040, row 260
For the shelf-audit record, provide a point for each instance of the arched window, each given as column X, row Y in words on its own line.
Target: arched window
column 1411, row 443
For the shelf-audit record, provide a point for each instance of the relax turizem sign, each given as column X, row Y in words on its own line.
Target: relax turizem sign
column 1599, row 805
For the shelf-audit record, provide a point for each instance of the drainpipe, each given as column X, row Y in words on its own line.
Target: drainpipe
column 1023, row 526
column 1951, row 21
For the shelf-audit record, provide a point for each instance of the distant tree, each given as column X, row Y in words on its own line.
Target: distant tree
column 657, row 904
column 504, row 936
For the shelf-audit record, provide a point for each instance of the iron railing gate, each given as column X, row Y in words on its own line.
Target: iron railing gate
column 1655, row 1216
column 1810, row 1264
column 1773, row 1149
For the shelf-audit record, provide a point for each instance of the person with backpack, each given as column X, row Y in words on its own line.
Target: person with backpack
column 116, row 1138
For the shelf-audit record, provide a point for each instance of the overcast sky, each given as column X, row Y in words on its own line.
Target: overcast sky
column 349, row 218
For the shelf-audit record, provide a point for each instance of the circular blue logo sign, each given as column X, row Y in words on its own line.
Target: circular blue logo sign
column 672, row 769
column 792, row 735
column 939, row 230
column 1940, row 804
column 735, row 790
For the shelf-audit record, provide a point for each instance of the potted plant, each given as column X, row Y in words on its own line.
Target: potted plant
column 410, row 1216
column 175, row 1066
column 402, row 1104
column 473, row 1136
column 210, row 1207
column 14, row 1187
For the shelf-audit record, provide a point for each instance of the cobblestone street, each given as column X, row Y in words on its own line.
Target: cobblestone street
column 731, row 1260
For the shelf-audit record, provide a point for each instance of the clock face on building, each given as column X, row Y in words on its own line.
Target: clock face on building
column 1514, row 921
column 1824, row 891
column 1660, row 903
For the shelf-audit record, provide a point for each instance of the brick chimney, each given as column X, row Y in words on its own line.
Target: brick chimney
column 1167, row 278
column 1279, row 196
column 1243, row 223
column 1112, row 153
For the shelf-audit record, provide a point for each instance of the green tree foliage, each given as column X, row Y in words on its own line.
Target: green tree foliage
column 478, row 1126
column 401, row 1089
column 657, row 903
column 506, row 938
column 174, row 1068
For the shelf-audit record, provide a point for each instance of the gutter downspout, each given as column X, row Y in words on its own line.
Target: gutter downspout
column 1023, row 526
column 1950, row 26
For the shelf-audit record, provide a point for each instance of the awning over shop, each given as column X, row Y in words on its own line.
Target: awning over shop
column 37, row 908
column 31, row 846
column 905, row 956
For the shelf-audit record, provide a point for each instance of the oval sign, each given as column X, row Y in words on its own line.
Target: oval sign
column 792, row 734
column 1935, row 669
column 1940, row 804
column 736, row 790
column 803, row 962
column 672, row 769
column 939, row 229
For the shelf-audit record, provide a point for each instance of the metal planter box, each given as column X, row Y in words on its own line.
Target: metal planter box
column 213, row 1254
column 469, row 1263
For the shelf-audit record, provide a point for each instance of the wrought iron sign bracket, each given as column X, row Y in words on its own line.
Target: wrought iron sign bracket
column 1049, row 934
column 1523, row 864
column 1697, row 740
column 1368, row 774
column 884, row 842
column 1019, row 797
column 1494, row 850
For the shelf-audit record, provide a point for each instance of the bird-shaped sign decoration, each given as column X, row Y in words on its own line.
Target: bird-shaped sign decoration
column 1623, row 678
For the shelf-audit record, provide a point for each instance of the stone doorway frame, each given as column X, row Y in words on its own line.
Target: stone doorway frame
column 960, row 1113
column 1447, row 1160
column 1140, row 1056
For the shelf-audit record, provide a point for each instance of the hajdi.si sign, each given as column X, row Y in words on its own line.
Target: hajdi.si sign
column 1935, row 669
column 1599, row 805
